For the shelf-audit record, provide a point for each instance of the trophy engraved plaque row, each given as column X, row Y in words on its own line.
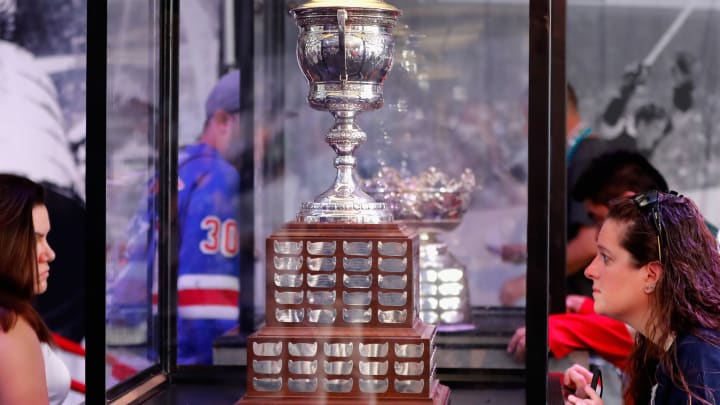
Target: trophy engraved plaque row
column 341, row 316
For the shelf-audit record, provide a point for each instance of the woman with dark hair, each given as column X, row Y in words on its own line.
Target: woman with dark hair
column 31, row 373
column 658, row 270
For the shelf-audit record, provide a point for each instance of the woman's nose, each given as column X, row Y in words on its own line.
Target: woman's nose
column 591, row 269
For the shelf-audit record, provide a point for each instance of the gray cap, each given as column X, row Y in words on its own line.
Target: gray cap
column 225, row 95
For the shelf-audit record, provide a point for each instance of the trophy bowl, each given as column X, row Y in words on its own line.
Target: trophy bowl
column 345, row 50
column 432, row 203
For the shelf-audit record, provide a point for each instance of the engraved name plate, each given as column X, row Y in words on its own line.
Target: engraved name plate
column 338, row 385
column 287, row 247
column 428, row 276
column 451, row 316
column 302, row 384
column 392, row 248
column 321, row 315
column 409, row 386
column 289, row 263
column 409, row 350
column 267, row 384
column 267, row 349
column 429, row 316
column 288, row 297
column 357, row 315
column 450, row 289
column 302, row 349
column 392, row 282
column 338, row 367
column 373, row 367
column 392, row 265
column 373, row 349
column 428, row 303
column 321, row 263
column 428, row 289
column 373, row 386
column 338, row 349
column 321, row 297
column 321, row 248
column 357, row 298
column 357, row 248
column 302, row 367
column 288, row 280
column 450, row 275
column 392, row 316
column 289, row 315
column 267, row 366
column 453, row 303
column 321, row 280
column 392, row 299
column 355, row 281
column 361, row 264
column 409, row 368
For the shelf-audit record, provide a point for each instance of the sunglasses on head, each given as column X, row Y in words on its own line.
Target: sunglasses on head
column 651, row 201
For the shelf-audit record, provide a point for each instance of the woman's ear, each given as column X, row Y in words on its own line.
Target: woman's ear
column 653, row 274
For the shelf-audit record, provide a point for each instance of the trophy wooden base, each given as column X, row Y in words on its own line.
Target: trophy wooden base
column 440, row 396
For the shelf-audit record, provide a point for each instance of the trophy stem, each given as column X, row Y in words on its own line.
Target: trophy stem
column 344, row 201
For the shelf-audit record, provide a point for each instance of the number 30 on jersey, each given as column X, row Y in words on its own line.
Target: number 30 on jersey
column 222, row 236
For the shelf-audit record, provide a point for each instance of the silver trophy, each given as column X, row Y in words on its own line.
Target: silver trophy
column 345, row 49
column 431, row 202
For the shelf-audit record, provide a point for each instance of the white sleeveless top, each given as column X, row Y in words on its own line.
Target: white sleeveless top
column 56, row 375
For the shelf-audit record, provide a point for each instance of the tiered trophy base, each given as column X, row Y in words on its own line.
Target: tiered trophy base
column 341, row 320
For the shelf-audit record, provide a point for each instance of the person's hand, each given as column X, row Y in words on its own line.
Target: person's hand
column 517, row 345
column 573, row 303
column 591, row 398
column 634, row 75
column 512, row 290
column 575, row 379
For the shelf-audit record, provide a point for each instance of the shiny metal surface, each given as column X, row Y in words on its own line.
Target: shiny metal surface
column 357, row 248
column 373, row 386
column 293, row 263
column 338, row 349
column 357, row 298
column 392, row 299
column 267, row 349
column 372, row 368
column 409, row 386
column 357, row 315
column 288, row 297
column 392, row 265
column 287, row 247
column 302, row 349
column 321, row 315
column 321, row 248
column 360, row 265
column 357, row 281
column 321, row 297
column 321, row 263
column 287, row 280
column 392, row 282
column 321, row 280
column 392, row 316
column 267, row 384
column 409, row 350
column 289, row 315
column 302, row 366
column 373, row 349
column 267, row 366
column 338, row 385
column 302, row 384
column 345, row 50
column 409, row 367
column 392, row 248
column 338, row 367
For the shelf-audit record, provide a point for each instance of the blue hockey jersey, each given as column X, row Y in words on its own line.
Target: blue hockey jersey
column 208, row 267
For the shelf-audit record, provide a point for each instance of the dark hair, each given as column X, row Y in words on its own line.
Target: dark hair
column 613, row 173
column 18, row 262
column 687, row 295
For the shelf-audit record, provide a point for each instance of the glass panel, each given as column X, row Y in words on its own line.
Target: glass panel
column 132, row 116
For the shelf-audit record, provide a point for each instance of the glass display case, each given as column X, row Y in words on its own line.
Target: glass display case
column 397, row 265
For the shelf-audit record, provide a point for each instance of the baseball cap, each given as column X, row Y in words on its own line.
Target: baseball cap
column 225, row 95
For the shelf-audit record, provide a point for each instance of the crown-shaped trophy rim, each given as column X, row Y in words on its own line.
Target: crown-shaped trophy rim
column 345, row 4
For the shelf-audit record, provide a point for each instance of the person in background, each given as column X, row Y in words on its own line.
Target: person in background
column 208, row 268
column 31, row 371
column 658, row 270
column 583, row 147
